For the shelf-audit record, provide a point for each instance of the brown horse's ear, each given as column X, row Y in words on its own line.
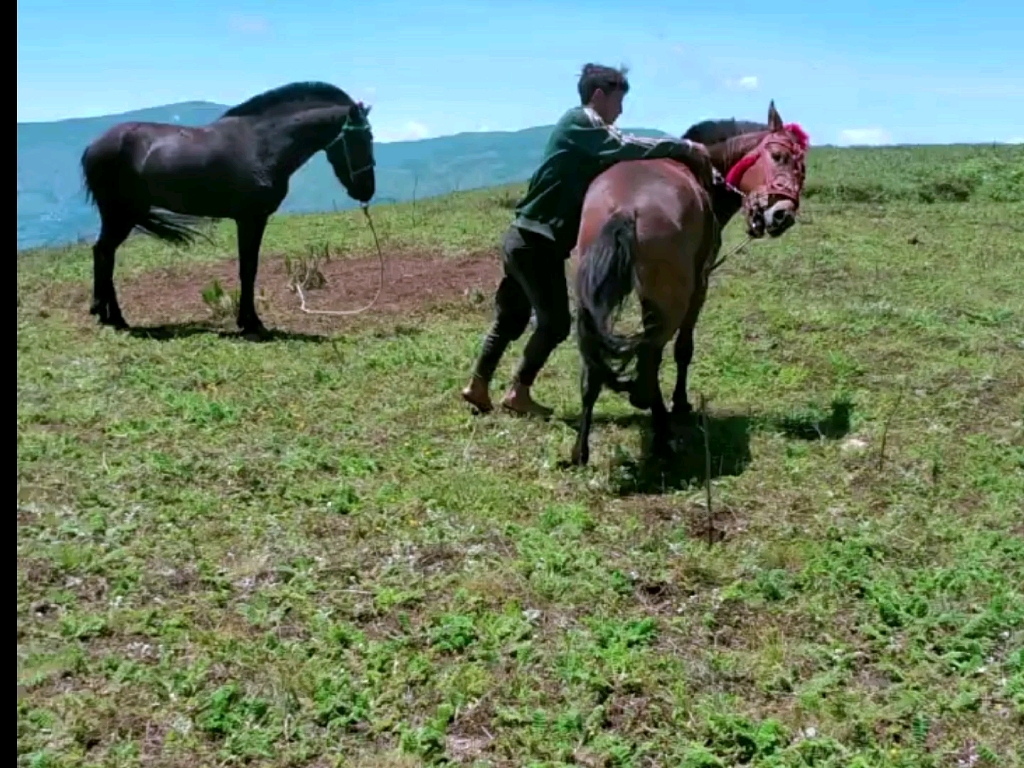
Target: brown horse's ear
column 774, row 120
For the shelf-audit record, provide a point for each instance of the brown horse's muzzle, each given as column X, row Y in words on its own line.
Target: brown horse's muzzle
column 779, row 217
column 769, row 213
column 756, row 225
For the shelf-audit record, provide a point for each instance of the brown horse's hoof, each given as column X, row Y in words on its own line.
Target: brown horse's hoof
column 661, row 447
column 682, row 414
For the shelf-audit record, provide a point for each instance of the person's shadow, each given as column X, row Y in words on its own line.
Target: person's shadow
column 726, row 449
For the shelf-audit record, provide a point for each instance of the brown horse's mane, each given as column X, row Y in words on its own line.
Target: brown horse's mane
column 293, row 93
column 727, row 140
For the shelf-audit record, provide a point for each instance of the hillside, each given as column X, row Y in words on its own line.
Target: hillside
column 308, row 550
column 52, row 209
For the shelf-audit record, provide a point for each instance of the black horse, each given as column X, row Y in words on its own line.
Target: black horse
column 160, row 178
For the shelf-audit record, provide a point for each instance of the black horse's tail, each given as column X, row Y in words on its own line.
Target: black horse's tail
column 172, row 228
column 108, row 185
column 603, row 282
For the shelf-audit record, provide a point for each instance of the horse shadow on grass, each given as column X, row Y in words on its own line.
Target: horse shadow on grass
column 172, row 331
column 727, row 444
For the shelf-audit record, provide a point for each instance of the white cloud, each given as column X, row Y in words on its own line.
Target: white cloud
column 248, row 25
column 864, row 136
column 411, row 131
column 1016, row 140
column 745, row 83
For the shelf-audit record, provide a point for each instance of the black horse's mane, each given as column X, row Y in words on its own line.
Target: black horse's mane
column 290, row 94
column 716, row 131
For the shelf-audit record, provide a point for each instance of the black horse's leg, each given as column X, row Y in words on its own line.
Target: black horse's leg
column 590, row 388
column 250, row 235
column 113, row 232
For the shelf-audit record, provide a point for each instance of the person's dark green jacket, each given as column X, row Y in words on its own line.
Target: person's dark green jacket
column 581, row 146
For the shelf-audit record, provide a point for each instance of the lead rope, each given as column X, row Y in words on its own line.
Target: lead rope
column 380, row 285
column 730, row 254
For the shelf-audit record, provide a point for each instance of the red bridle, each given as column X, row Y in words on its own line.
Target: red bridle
column 792, row 138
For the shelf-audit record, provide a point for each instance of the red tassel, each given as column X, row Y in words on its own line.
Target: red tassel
column 799, row 134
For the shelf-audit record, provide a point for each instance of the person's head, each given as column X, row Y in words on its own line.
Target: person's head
column 602, row 88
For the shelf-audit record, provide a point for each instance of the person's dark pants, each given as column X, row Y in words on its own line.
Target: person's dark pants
column 534, row 279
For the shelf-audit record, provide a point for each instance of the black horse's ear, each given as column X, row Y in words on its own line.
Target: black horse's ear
column 366, row 109
column 774, row 119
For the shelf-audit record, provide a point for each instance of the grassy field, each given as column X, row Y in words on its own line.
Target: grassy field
column 307, row 552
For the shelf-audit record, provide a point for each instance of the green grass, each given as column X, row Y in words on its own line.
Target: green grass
column 958, row 173
column 310, row 554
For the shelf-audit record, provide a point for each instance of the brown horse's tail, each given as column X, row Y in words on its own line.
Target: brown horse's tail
column 604, row 281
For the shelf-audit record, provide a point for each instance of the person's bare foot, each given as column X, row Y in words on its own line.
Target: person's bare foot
column 476, row 394
column 518, row 400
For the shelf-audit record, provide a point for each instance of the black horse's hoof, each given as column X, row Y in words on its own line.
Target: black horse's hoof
column 117, row 319
column 579, row 458
column 640, row 401
column 117, row 322
column 254, row 330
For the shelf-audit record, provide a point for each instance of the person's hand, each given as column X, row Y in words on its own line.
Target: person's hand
column 699, row 161
column 706, row 173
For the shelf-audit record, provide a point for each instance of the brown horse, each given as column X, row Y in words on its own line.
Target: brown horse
column 648, row 226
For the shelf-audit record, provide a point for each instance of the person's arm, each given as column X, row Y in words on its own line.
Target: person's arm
column 597, row 139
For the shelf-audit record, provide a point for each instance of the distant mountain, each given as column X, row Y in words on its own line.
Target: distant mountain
column 52, row 207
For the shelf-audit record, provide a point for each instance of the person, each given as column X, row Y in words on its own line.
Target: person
column 539, row 241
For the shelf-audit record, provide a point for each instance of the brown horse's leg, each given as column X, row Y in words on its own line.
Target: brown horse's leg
column 647, row 387
column 113, row 232
column 648, row 359
column 661, row 426
column 250, row 235
column 681, row 408
column 590, row 388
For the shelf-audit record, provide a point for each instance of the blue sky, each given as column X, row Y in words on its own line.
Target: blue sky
column 858, row 72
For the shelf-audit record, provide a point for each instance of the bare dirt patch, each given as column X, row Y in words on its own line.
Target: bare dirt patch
column 413, row 284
